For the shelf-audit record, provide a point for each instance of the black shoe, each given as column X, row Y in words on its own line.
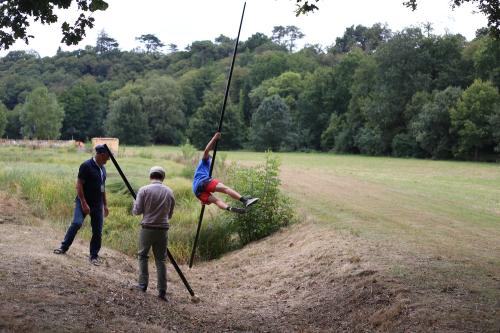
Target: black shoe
column 140, row 287
column 59, row 251
column 163, row 295
column 250, row 201
column 95, row 261
column 237, row 210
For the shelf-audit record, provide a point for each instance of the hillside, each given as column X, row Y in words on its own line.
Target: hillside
column 375, row 91
column 305, row 278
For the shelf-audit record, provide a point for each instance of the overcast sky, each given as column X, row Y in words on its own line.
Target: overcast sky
column 183, row 21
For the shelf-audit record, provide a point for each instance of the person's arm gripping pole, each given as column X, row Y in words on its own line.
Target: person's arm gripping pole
column 193, row 251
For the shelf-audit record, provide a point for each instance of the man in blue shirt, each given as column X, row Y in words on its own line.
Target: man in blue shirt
column 90, row 200
column 204, row 186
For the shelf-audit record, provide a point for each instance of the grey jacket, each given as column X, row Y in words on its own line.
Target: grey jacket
column 156, row 202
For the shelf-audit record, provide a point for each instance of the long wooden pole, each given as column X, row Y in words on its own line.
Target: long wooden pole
column 198, row 229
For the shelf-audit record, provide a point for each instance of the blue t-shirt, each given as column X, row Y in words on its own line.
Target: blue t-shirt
column 93, row 181
column 201, row 175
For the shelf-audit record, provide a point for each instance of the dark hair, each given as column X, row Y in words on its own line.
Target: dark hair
column 157, row 176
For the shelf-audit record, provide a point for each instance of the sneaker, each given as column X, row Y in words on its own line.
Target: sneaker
column 95, row 261
column 250, row 201
column 237, row 210
column 59, row 251
column 140, row 287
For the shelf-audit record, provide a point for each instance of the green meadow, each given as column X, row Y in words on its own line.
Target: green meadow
column 445, row 206
column 439, row 221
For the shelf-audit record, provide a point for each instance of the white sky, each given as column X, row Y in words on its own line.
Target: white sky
column 183, row 21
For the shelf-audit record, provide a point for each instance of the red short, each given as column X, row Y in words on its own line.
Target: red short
column 207, row 191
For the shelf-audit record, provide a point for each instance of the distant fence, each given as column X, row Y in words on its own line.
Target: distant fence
column 38, row 143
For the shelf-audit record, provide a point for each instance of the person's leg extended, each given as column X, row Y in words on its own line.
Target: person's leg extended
column 222, row 205
column 160, row 252
column 218, row 202
column 227, row 190
column 76, row 224
column 246, row 200
column 96, row 221
column 145, row 240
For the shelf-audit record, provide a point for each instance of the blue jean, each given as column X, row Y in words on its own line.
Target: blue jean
column 96, row 221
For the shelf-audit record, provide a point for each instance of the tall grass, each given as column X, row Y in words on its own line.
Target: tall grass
column 46, row 179
column 41, row 189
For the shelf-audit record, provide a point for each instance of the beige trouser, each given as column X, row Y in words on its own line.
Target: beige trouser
column 157, row 239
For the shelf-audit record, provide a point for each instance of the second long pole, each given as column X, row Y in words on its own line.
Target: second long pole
column 132, row 192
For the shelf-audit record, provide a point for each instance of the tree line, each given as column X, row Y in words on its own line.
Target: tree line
column 373, row 91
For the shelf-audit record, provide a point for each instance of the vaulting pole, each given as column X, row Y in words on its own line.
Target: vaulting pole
column 218, row 130
column 132, row 192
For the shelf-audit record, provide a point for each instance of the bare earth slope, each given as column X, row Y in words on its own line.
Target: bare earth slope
column 306, row 278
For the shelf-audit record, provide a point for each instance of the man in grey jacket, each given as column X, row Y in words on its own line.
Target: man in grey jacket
column 156, row 203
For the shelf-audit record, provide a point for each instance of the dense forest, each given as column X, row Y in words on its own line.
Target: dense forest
column 407, row 93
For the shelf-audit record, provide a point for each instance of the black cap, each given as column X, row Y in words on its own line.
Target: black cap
column 100, row 149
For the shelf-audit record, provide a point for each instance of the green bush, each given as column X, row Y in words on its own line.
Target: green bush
column 272, row 212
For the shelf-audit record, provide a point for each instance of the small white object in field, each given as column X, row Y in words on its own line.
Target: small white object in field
column 195, row 299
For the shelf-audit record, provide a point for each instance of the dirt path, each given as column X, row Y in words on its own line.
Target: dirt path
column 307, row 278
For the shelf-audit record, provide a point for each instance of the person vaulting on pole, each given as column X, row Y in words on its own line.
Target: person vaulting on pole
column 204, row 185
column 208, row 190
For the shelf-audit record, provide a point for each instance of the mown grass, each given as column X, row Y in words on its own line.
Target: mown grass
column 443, row 215
column 465, row 194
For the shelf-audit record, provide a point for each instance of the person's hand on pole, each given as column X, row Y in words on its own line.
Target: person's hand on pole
column 210, row 145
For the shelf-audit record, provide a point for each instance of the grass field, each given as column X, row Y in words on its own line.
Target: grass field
column 445, row 214
column 387, row 197
column 442, row 217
